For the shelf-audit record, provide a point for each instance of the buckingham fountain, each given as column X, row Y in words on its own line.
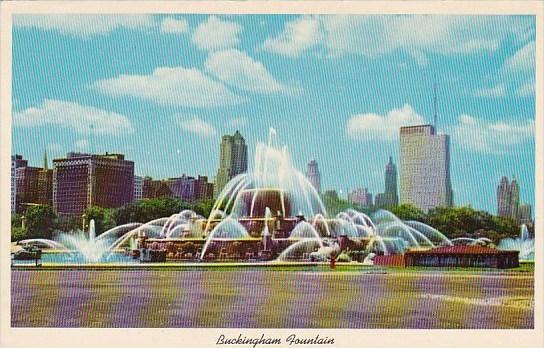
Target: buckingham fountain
column 270, row 214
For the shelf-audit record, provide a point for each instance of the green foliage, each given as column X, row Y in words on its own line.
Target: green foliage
column 69, row 223
column 343, row 257
column 103, row 218
column 16, row 220
column 467, row 222
column 17, row 233
column 40, row 221
column 334, row 204
column 408, row 212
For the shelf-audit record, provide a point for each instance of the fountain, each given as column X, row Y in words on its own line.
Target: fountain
column 524, row 244
column 270, row 213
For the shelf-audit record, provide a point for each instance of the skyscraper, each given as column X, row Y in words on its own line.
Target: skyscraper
column 13, row 185
column 508, row 199
column 233, row 160
column 390, row 196
column 313, row 175
column 82, row 180
column 425, row 167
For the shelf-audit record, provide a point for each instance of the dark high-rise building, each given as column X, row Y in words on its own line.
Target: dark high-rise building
column 508, row 199
column 313, row 175
column 425, row 167
column 390, row 196
column 83, row 180
column 27, row 186
column 17, row 161
column 233, row 160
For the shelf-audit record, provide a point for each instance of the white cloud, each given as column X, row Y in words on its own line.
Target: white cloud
column 193, row 124
column 83, row 25
column 297, row 36
column 174, row 26
column 171, row 86
column 496, row 91
column 372, row 126
column 238, row 69
column 491, row 137
column 417, row 35
column 216, row 34
column 522, row 60
column 71, row 115
column 527, row 89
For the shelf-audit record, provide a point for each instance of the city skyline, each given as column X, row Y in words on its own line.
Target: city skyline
column 355, row 104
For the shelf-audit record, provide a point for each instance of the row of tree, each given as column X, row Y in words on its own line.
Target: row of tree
column 42, row 222
column 452, row 221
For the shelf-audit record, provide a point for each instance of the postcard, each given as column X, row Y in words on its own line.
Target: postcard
column 258, row 174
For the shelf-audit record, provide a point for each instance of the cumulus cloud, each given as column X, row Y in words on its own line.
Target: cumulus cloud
column 372, row 126
column 496, row 91
column 237, row 69
column 297, row 36
column 174, row 26
column 74, row 116
column 527, row 89
column 491, row 137
column 523, row 60
column 171, row 86
column 376, row 35
column 216, row 34
column 194, row 124
column 83, row 25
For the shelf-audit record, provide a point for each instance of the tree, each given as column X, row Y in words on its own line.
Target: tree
column 334, row 204
column 103, row 218
column 408, row 212
column 18, row 233
column 40, row 221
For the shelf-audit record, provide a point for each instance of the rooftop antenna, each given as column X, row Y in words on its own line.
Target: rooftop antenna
column 92, row 138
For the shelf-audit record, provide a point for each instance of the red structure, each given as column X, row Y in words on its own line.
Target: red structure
column 462, row 256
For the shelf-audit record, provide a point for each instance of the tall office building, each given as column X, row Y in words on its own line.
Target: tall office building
column 390, row 197
column 361, row 197
column 233, row 160
column 508, row 199
column 13, row 185
column 83, row 180
column 313, row 175
column 425, row 167
column 27, row 186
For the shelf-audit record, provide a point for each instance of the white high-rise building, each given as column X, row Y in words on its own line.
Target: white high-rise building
column 138, row 193
column 425, row 167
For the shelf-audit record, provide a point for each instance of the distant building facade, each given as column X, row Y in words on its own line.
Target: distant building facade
column 13, row 184
column 390, row 196
column 27, row 186
column 508, row 202
column 156, row 188
column 233, row 160
column 83, row 180
column 361, row 197
column 525, row 214
column 313, row 175
column 188, row 188
column 138, row 188
column 425, row 167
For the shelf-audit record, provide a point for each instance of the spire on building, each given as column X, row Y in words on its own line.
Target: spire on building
column 45, row 162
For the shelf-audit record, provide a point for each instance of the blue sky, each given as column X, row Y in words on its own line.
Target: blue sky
column 163, row 89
